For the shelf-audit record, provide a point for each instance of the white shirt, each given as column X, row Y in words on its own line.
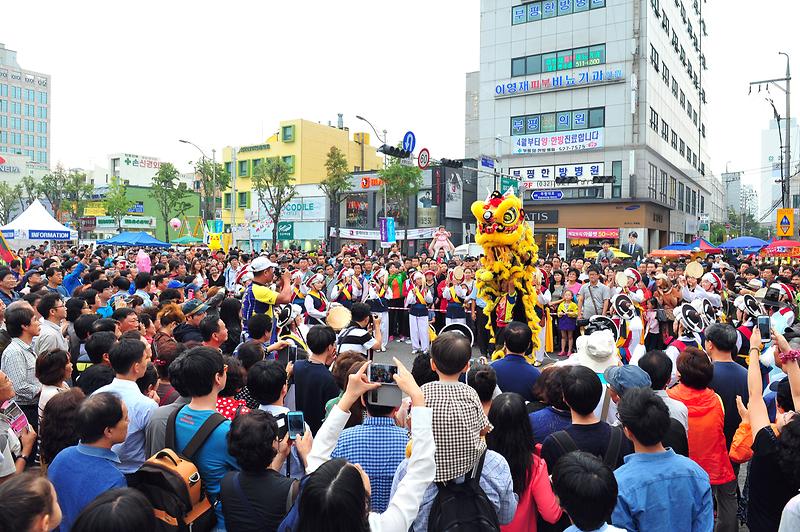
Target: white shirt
column 365, row 343
column 50, row 338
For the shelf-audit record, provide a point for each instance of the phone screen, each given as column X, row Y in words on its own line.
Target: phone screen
column 382, row 373
column 763, row 327
column 292, row 353
column 296, row 424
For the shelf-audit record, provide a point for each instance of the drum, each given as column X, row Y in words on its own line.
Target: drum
column 461, row 329
column 694, row 269
column 621, row 280
column 338, row 317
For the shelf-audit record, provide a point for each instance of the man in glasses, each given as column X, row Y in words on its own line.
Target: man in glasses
column 54, row 312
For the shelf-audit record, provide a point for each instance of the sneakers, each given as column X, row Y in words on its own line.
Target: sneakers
column 408, row 341
column 391, row 338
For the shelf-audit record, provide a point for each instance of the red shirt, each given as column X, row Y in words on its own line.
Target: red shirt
column 227, row 406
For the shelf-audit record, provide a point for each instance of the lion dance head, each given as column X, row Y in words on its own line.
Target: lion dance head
column 508, row 266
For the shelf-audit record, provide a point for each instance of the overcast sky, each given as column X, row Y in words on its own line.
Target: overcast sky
column 137, row 76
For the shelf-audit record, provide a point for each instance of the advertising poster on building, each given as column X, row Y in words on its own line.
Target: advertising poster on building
column 454, row 195
column 589, row 139
column 427, row 213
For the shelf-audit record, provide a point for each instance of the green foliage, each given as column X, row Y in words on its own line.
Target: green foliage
column 400, row 183
column 8, row 199
column 77, row 192
column 275, row 188
column 213, row 178
column 30, row 191
column 116, row 202
column 752, row 227
column 53, row 187
column 338, row 175
column 169, row 194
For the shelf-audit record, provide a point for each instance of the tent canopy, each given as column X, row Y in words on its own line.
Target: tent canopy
column 743, row 242
column 35, row 223
column 705, row 245
column 677, row 246
column 134, row 239
column 184, row 240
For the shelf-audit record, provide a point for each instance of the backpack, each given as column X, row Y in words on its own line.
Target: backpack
column 611, row 456
column 172, row 484
column 463, row 507
column 289, row 522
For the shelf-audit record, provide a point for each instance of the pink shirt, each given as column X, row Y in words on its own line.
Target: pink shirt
column 537, row 499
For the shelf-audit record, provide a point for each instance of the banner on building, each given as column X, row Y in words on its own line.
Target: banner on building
column 374, row 234
column 593, row 233
column 587, row 139
column 544, row 177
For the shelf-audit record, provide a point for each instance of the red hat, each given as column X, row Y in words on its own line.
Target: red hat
column 429, row 272
column 714, row 279
column 345, row 272
column 314, row 279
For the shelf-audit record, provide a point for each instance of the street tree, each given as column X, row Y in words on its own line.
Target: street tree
column 8, row 200
column 336, row 183
column 117, row 203
column 275, row 188
column 77, row 192
column 53, row 187
column 169, row 193
column 30, row 191
column 400, row 183
column 213, row 178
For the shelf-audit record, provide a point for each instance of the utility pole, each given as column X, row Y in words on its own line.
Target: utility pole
column 786, row 167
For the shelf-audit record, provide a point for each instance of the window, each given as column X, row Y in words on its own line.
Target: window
column 16, row 93
column 228, row 168
column 29, row 125
column 41, row 157
column 674, row 140
column 694, row 202
column 4, row 137
column 665, row 73
column 560, row 60
column 29, row 109
column 226, row 200
column 16, row 108
column 536, row 11
column 243, row 200
column 16, row 139
column 675, row 87
column 16, row 123
column 682, row 148
column 683, row 100
column 616, row 171
column 656, row 6
column 560, row 121
column 665, row 21
column 683, row 56
column 41, row 98
column 256, row 162
column 29, row 95
column 703, row 130
column 688, row 155
column 680, row 196
column 702, row 169
column 41, row 112
column 41, row 127
column 654, row 60
column 287, row 133
column 664, row 130
column 3, row 122
column 29, row 140
column 651, row 188
column 689, row 109
column 242, row 169
column 675, row 40
column 41, row 142
column 3, row 106
column 3, row 89
column 673, row 183
column 653, row 120
column 662, row 195
column 694, row 160
column 702, row 204
column 289, row 160
column 694, row 117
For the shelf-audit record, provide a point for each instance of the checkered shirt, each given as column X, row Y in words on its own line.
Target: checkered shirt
column 458, row 420
column 378, row 446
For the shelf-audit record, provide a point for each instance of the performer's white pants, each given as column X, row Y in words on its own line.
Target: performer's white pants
column 462, row 321
column 540, row 353
column 384, row 328
column 418, row 325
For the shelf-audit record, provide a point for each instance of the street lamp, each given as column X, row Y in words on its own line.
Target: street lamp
column 383, row 140
column 214, row 169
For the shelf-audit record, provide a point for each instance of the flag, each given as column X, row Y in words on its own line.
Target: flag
column 6, row 255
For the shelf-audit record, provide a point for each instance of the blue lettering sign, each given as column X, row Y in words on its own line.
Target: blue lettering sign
column 48, row 235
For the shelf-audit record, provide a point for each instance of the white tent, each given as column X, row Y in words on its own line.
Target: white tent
column 34, row 226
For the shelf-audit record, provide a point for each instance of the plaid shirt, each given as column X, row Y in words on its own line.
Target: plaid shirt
column 458, row 420
column 378, row 446
column 19, row 363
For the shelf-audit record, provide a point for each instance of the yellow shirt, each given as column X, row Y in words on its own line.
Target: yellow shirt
column 568, row 309
column 265, row 295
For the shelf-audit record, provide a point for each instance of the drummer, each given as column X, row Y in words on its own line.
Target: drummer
column 378, row 296
column 455, row 293
column 298, row 292
column 690, row 289
column 347, row 289
column 631, row 286
column 418, row 300
column 316, row 304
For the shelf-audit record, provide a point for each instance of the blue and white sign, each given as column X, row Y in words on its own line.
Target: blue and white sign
column 558, row 81
column 546, row 195
column 48, row 235
column 487, row 162
column 409, row 141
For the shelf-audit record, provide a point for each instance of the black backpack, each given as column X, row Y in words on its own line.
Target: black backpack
column 463, row 507
column 611, row 456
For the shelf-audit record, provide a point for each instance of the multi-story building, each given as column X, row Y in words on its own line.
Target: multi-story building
column 24, row 110
column 772, row 168
column 596, row 103
column 733, row 192
column 304, row 147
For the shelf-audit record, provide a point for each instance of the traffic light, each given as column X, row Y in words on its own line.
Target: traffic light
column 566, row 180
column 602, row 179
column 452, row 163
column 392, row 151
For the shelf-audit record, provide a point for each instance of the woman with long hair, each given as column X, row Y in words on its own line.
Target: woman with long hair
column 53, row 368
column 230, row 312
column 58, row 425
column 165, row 350
column 513, row 439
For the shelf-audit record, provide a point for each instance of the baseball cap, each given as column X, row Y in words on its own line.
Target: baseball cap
column 622, row 378
column 261, row 263
column 175, row 284
column 194, row 307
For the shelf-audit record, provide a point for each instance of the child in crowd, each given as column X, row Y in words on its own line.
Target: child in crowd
column 459, row 421
column 567, row 319
column 587, row 491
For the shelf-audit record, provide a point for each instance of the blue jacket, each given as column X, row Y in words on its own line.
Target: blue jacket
column 663, row 492
column 515, row 374
column 73, row 280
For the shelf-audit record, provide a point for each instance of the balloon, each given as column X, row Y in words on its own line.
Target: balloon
column 175, row 224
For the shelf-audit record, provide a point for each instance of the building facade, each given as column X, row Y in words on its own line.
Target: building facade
column 304, row 147
column 772, row 153
column 24, row 110
column 601, row 103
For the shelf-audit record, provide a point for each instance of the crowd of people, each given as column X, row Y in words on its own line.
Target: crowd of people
column 661, row 397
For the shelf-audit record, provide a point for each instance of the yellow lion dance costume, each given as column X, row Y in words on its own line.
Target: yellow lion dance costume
column 510, row 253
